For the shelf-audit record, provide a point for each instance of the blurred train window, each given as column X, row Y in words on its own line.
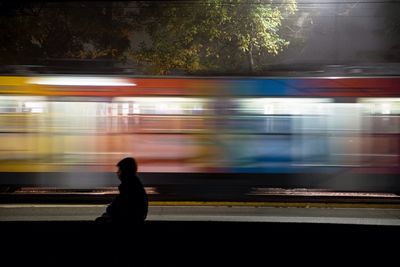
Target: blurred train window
column 73, row 116
column 21, row 122
column 382, row 106
column 21, row 114
column 21, row 104
column 382, row 115
column 381, row 123
column 284, row 115
column 283, row 106
column 159, row 114
column 162, row 105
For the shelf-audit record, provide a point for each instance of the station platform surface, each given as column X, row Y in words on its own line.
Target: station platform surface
column 339, row 213
column 294, row 230
column 196, row 243
column 199, row 235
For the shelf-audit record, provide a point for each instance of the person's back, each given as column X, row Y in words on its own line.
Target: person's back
column 127, row 212
column 131, row 204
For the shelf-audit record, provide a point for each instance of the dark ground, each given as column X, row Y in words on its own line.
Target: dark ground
column 163, row 243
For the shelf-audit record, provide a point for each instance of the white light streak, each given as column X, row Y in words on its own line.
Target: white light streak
column 81, row 81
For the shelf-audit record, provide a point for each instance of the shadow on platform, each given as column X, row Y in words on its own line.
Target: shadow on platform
column 176, row 243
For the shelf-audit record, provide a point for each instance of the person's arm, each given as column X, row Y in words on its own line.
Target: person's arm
column 113, row 209
column 103, row 218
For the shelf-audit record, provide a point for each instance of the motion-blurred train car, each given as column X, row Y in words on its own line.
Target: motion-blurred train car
column 326, row 132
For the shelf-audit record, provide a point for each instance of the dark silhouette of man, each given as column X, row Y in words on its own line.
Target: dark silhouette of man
column 127, row 212
column 131, row 204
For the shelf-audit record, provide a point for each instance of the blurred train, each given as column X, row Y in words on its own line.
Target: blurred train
column 338, row 133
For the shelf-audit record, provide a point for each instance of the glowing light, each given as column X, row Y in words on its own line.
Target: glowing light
column 378, row 100
column 81, row 81
column 386, row 108
column 268, row 109
column 35, row 107
column 136, row 108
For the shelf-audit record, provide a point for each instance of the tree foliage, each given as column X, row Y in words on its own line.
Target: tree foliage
column 35, row 31
column 189, row 36
column 212, row 35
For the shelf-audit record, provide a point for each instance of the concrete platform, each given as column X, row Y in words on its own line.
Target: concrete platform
column 196, row 243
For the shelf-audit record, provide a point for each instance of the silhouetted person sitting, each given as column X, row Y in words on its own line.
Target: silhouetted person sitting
column 131, row 205
column 127, row 211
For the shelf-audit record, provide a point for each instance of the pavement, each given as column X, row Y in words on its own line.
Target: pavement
column 214, row 212
column 196, row 243
column 363, row 230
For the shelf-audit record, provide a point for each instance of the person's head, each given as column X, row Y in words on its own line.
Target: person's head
column 127, row 166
